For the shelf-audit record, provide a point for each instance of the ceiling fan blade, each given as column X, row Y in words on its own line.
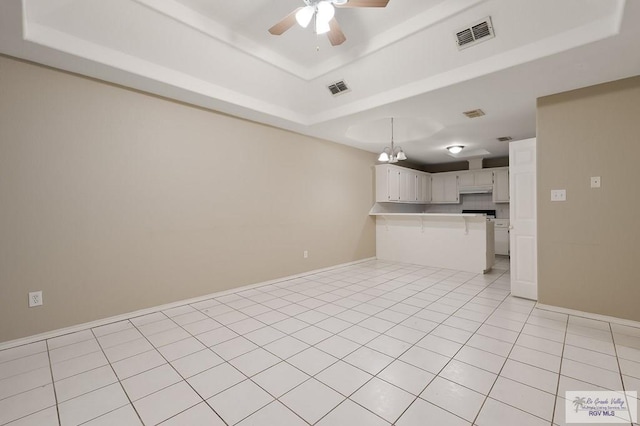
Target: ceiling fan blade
column 364, row 3
column 286, row 23
column 335, row 34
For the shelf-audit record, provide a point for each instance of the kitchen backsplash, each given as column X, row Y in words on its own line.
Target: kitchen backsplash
column 471, row 202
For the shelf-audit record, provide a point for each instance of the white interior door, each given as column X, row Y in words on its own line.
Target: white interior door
column 522, row 211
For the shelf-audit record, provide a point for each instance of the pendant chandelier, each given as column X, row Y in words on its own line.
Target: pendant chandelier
column 392, row 154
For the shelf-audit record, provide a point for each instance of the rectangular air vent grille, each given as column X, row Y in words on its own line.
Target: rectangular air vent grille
column 505, row 138
column 474, row 113
column 474, row 34
column 338, row 88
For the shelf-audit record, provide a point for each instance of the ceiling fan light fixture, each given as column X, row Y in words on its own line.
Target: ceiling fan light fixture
column 322, row 12
column 455, row 149
column 304, row 16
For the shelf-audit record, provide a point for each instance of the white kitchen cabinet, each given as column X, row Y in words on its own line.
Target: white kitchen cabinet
column 423, row 187
column 444, row 188
column 483, row 177
column 393, row 185
column 501, row 185
column 501, row 227
column 408, row 186
column 475, row 179
column 401, row 185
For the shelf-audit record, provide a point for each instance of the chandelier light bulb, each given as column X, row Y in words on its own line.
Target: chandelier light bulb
column 322, row 27
column 326, row 12
column 304, row 15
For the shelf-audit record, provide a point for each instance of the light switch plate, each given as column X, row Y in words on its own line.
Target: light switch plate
column 558, row 195
column 595, row 181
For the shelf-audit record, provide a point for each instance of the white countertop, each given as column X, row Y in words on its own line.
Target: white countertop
column 474, row 215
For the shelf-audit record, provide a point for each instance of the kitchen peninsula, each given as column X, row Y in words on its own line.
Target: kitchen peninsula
column 454, row 241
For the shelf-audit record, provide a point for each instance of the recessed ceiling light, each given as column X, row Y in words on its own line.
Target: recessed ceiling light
column 455, row 149
column 505, row 138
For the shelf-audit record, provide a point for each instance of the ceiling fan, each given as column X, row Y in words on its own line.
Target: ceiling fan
column 323, row 11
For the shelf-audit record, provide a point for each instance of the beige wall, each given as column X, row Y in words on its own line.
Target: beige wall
column 113, row 201
column 589, row 246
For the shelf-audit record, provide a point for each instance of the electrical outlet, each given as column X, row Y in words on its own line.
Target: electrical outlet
column 558, row 195
column 305, row 254
column 35, row 299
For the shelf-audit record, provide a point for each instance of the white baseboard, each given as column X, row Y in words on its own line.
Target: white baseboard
column 588, row 315
column 79, row 327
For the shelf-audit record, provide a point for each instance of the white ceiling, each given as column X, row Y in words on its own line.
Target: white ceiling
column 400, row 61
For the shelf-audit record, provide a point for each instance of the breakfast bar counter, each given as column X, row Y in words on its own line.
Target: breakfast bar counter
column 463, row 242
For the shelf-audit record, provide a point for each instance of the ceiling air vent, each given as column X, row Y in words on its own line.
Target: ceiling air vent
column 338, row 88
column 474, row 113
column 474, row 34
column 505, row 138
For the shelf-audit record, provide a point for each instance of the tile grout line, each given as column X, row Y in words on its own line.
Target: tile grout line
column 53, row 383
column 119, row 383
column 622, row 381
column 564, row 343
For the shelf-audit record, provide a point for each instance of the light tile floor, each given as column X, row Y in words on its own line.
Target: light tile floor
column 376, row 343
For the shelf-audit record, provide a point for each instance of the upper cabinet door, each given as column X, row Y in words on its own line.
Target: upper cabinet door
column 444, row 188
column 401, row 185
column 501, row 186
column 423, row 188
column 466, row 179
column 483, row 177
column 393, row 184
column 474, row 178
column 407, row 185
